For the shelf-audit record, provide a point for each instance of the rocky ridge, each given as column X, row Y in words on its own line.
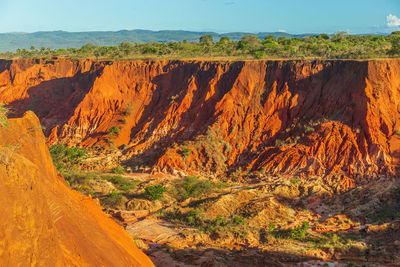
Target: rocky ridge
column 45, row 223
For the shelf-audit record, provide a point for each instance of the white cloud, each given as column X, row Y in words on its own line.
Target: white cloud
column 392, row 21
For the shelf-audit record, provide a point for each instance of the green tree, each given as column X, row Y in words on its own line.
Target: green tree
column 395, row 41
column 323, row 36
column 250, row 43
column 88, row 47
column 206, row 40
column 224, row 40
column 269, row 37
column 127, row 45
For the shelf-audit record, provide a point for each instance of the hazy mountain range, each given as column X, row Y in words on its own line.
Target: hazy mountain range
column 63, row 39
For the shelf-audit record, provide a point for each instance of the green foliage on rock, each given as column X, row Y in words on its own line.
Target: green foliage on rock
column 155, row 192
column 3, row 115
column 192, row 186
column 121, row 182
column 219, row 225
column 112, row 200
column 65, row 157
column 113, row 131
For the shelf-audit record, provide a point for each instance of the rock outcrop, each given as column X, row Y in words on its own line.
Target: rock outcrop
column 42, row 221
column 334, row 118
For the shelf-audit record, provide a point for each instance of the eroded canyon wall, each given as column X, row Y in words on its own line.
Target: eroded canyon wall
column 331, row 118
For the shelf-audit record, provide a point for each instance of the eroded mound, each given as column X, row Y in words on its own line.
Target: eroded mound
column 43, row 222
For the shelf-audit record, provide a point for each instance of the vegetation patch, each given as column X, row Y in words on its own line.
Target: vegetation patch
column 154, row 192
column 118, row 170
column 3, row 115
column 185, row 152
column 193, row 187
column 333, row 46
column 113, row 131
column 220, row 226
column 65, row 157
column 297, row 233
column 120, row 182
column 75, row 177
column 112, row 200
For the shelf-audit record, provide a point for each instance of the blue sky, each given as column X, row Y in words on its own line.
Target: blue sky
column 294, row 16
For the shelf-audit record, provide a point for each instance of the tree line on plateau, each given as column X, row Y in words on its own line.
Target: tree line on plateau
column 335, row 46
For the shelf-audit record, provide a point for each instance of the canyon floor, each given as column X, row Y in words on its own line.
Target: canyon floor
column 249, row 219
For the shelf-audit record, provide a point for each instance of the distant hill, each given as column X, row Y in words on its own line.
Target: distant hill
column 63, row 39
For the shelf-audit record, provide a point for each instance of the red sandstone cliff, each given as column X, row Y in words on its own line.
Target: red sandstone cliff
column 42, row 221
column 334, row 118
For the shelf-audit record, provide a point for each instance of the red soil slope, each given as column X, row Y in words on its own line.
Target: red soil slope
column 43, row 222
column 339, row 119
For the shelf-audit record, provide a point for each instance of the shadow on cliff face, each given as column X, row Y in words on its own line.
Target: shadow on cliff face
column 4, row 64
column 54, row 101
column 192, row 88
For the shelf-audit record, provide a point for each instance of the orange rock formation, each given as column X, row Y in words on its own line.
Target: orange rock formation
column 338, row 119
column 43, row 222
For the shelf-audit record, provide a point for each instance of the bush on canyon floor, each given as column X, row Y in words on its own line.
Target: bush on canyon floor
column 65, row 157
column 112, row 200
column 76, row 178
column 295, row 181
column 192, row 186
column 220, row 225
column 120, row 182
column 297, row 233
column 154, row 192
column 118, row 170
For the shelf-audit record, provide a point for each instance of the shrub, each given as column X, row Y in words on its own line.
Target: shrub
column 113, row 131
column 190, row 186
column 75, row 177
column 185, row 151
column 118, row 170
column 112, row 200
column 297, row 233
column 154, row 192
column 128, row 110
column 272, row 226
column 3, row 115
column 121, row 182
column 295, row 181
column 220, row 225
column 237, row 219
column 65, row 157
column 309, row 129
